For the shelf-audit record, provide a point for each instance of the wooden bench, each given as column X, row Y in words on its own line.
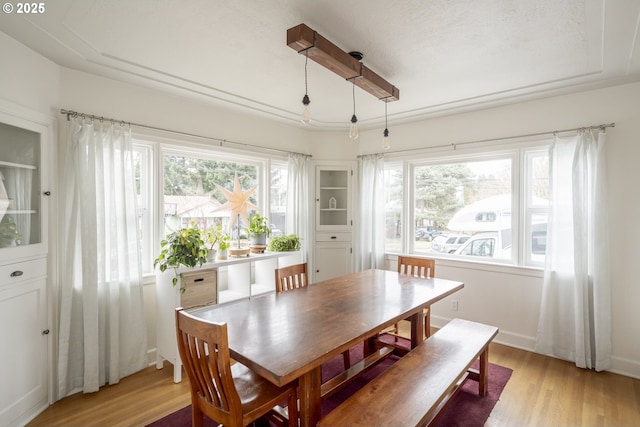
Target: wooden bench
column 414, row 389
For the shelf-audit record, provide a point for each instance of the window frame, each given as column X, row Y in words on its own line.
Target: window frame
column 518, row 152
column 146, row 151
column 158, row 145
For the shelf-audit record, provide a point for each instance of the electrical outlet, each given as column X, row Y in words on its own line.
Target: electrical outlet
column 454, row 305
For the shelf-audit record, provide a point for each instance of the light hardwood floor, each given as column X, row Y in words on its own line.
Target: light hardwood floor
column 542, row 391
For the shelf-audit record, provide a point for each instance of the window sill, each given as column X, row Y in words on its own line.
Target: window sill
column 468, row 264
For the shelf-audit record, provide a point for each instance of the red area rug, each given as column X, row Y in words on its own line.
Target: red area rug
column 465, row 409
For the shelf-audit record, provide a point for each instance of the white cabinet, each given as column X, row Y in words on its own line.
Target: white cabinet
column 333, row 254
column 24, row 354
column 333, row 198
column 214, row 283
column 332, row 259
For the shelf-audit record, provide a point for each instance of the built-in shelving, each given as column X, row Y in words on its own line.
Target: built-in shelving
column 333, row 229
column 333, row 198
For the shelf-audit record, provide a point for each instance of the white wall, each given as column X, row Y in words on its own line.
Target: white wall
column 90, row 94
column 26, row 78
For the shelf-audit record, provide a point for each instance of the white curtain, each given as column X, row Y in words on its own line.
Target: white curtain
column 575, row 315
column 102, row 335
column 371, row 212
column 297, row 218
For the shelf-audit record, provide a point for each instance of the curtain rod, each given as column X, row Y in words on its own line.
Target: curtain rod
column 220, row 141
column 454, row 145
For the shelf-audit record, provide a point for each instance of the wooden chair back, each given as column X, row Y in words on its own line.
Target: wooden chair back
column 292, row 277
column 419, row 267
column 204, row 350
column 231, row 395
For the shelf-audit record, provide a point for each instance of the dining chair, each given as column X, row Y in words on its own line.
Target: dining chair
column 419, row 267
column 294, row 277
column 291, row 277
column 229, row 395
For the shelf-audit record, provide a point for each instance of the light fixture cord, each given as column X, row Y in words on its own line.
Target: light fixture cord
column 306, row 59
column 385, row 114
column 354, row 96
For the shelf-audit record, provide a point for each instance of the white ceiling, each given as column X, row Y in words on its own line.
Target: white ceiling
column 445, row 56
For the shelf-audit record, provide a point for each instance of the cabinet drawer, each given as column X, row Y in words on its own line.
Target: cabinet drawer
column 333, row 237
column 23, row 270
column 200, row 288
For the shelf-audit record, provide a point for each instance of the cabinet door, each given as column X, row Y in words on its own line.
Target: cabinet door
column 24, row 355
column 333, row 198
column 332, row 259
column 22, row 200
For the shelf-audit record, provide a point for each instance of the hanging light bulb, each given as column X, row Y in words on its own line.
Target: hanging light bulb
column 353, row 129
column 306, row 114
column 386, row 144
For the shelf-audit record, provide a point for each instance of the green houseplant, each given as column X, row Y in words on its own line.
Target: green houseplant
column 183, row 247
column 258, row 229
column 224, row 242
column 216, row 238
column 284, row 243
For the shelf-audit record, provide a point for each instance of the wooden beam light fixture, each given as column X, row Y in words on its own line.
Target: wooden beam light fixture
column 303, row 39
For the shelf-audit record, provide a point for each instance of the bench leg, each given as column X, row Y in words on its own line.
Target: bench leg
column 483, row 381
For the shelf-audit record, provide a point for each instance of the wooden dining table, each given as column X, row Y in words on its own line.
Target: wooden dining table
column 288, row 336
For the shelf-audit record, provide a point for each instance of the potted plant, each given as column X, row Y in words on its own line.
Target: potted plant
column 184, row 247
column 284, row 243
column 224, row 242
column 211, row 236
column 258, row 229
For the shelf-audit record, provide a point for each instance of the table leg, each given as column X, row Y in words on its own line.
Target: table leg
column 483, row 381
column 417, row 329
column 310, row 398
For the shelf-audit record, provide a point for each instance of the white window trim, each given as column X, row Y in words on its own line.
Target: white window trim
column 160, row 144
column 486, row 151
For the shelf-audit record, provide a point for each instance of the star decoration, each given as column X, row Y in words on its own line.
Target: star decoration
column 237, row 202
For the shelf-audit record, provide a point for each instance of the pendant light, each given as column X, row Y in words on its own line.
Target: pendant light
column 386, row 144
column 306, row 114
column 353, row 129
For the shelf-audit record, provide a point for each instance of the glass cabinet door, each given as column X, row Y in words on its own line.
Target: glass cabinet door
column 333, row 198
column 21, row 213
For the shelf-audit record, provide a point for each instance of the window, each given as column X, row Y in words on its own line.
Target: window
column 463, row 197
column 393, row 206
column 190, row 189
column 143, row 166
column 186, row 191
column 278, row 198
column 536, row 206
column 490, row 206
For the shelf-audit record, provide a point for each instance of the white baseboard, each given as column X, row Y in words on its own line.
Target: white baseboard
column 151, row 356
column 626, row 367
